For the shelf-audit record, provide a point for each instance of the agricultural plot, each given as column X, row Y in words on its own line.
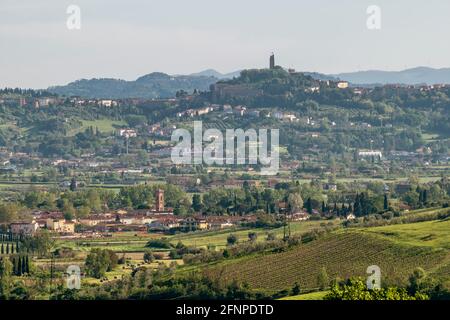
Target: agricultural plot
column 343, row 254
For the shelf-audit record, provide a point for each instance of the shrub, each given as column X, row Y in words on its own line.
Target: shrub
column 159, row 255
column 159, row 243
column 232, row 240
column 148, row 256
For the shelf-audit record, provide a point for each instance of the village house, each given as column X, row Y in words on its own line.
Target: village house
column 94, row 220
column 330, row 187
column 298, row 216
column 60, row 226
column 239, row 110
column 342, row 84
column 370, row 154
column 164, row 223
column 202, row 111
column 289, row 117
column 312, row 89
column 107, row 103
column 24, row 228
column 194, row 223
column 45, row 102
column 219, row 222
column 128, row 133
column 134, row 219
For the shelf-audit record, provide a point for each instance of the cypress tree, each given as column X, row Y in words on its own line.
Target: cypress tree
column 425, row 196
column 27, row 265
column 14, row 262
column 386, row 202
column 420, row 195
column 24, row 266
column 309, row 206
column 19, row 266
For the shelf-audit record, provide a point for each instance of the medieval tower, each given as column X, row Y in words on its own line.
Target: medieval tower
column 159, row 200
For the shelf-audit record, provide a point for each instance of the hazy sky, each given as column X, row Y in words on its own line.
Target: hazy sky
column 126, row 39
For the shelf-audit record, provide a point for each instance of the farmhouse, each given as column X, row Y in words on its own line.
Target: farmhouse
column 370, row 154
column 94, row 220
column 164, row 223
column 61, row 226
column 134, row 219
column 342, row 84
column 194, row 223
column 298, row 216
column 24, row 228
column 127, row 133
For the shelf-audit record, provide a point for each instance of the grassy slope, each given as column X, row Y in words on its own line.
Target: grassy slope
column 431, row 233
column 219, row 238
column 343, row 254
column 308, row 296
column 103, row 125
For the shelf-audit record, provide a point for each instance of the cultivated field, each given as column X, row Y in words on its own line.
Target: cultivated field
column 344, row 254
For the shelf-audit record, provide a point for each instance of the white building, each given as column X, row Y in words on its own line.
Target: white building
column 370, row 154
column 342, row 84
column 127, row 133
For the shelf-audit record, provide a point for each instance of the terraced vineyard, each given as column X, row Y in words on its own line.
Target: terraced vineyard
column 343, row 254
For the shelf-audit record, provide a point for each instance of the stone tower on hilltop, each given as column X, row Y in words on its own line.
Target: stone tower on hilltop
column 272, row 61
column 159, row 206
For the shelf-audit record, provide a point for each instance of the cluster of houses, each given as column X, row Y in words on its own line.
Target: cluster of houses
column 158, row 219
column 238, row 110
column 138, row 221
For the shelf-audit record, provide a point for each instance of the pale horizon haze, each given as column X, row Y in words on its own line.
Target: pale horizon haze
column 127, row 39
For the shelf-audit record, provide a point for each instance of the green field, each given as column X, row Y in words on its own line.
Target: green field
column 431, row 233
column 104, row 125
column 308, row 296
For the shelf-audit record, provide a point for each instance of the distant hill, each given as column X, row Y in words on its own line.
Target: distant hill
column 321, row 76
column 153, row 85
column 419, row 75
column 218, row 75
column 161, row 85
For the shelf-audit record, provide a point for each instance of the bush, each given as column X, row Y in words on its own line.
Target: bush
column 232, row 240
column 65, row 253
column 98, row 262
column 148, row 256
column 159, row 243
column 159, row 255
column 355, row 289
